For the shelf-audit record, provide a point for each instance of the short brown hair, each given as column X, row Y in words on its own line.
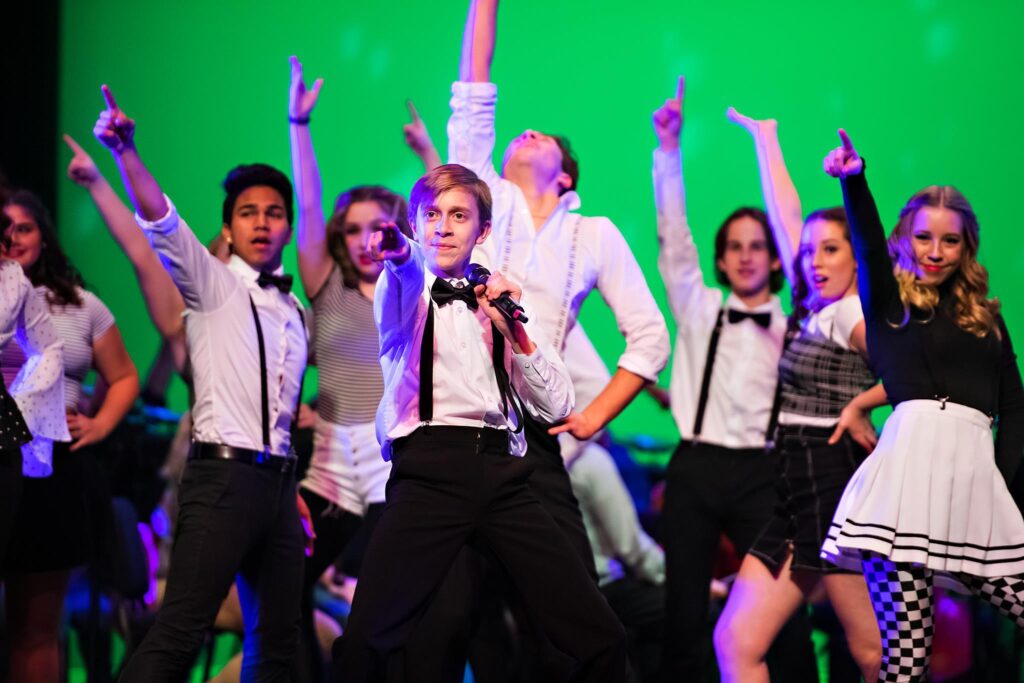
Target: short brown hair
column 445, row 178
column 570, row 165
column 775, row 280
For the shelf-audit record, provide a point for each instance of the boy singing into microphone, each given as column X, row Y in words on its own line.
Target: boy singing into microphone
column 457, row 377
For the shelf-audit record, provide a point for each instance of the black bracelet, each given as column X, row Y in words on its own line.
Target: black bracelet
column 299, row 120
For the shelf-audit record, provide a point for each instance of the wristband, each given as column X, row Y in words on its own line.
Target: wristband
column 299, row 120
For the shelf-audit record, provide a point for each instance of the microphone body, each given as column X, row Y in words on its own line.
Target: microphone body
column 477, row 275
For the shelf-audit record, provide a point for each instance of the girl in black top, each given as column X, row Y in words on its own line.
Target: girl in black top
column 933, row 495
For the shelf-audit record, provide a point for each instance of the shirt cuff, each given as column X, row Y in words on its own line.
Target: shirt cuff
column 668, row 163
column 474, row 90
column 166, row 224
column 640, row 367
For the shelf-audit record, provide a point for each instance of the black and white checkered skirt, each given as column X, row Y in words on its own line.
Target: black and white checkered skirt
column 930, row 495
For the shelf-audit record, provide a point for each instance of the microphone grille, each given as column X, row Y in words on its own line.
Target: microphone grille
column 477, row 274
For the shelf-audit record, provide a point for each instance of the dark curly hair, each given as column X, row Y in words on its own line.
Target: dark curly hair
column 241, row 178
column 52, row 270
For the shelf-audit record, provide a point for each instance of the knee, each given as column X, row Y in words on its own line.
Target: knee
column 735, row 642
column 867, row 653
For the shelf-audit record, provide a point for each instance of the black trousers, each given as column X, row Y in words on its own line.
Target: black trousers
column 10, row 496
column 451, row 487
column 711, row 490
column 236, row 523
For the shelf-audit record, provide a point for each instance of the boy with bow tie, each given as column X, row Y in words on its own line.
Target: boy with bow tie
column 457, row 375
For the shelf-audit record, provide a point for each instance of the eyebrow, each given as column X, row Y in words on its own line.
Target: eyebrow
column 251, row 205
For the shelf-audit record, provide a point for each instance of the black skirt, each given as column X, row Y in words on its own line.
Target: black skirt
column 53, row 525
column 811, row 477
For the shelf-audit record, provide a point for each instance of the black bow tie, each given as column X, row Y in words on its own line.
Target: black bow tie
column 282, row 282
column 762, row 319
column 444, row 293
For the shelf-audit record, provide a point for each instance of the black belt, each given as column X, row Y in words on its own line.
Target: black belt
column 803, row 433
column 216, row 451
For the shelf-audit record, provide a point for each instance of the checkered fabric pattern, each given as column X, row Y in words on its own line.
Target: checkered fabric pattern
column 819, row 377
column 902, row 597
column 1006, row 593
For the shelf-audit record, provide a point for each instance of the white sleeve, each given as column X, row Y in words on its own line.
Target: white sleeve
column 204, row 282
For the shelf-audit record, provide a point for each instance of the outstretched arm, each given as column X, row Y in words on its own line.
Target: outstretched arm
column 678, row 261
column 315, row 261
column 478, row 41
column 203, row 281
column 876, row 283
column 780, row 196
column 417, row 137
column 163, row 301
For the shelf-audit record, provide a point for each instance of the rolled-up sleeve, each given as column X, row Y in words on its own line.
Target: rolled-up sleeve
column 623, row 287
column 204, row 282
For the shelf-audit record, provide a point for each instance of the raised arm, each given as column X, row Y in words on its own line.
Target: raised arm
column 203, row 281
column 163, row 301
column 471, row 126
column 117, row 133
column 780, row 196
column 478, row 41
column 678, row 261
column 400, row 287
column 876, row 283
column 417, row 137
column 315, row 262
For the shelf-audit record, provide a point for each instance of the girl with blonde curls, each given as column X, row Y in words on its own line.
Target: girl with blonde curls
column 933, row 495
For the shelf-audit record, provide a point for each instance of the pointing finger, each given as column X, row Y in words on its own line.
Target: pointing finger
column 412, row 111
column 847, row 143
column 75, row 147
column 681, row 89
column 296, row 67
column 108, row 97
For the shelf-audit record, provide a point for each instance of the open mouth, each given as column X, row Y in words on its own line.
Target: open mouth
column 820, row 281
column 261, row 241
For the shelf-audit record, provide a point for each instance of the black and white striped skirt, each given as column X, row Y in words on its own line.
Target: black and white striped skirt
column 930, row 495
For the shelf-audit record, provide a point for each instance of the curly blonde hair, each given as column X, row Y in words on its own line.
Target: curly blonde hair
column 973, row 311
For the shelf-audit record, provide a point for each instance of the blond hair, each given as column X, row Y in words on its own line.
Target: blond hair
column 973, row 311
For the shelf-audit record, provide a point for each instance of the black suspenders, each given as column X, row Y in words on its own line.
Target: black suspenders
column 264, row 391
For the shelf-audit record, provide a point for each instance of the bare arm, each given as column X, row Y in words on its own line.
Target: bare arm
column 315, row 261
column 780, row 195
column 163, row 301
column 417, row 137
column 623, row 388
column 478, row 41
column 115, row 367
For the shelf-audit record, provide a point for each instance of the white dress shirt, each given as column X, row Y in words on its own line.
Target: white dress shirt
column 38, row 388
column 570, row 255
column 465, row 388
column 222, row 343
column 745, row 372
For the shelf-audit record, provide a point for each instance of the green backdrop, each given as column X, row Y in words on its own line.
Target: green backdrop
column 929, row 90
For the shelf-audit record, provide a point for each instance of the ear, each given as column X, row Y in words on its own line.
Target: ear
column 564, row 180
column 225, row 232
column 720, row 264
column 776, row 264
column 485, row 232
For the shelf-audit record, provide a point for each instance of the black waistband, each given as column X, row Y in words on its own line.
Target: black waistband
column 484, row 437
column 804, row 432
column 216, row 451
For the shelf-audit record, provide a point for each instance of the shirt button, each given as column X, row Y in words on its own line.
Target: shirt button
column 463, row 344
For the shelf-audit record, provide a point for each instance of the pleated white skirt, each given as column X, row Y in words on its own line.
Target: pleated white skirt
column 930, row 494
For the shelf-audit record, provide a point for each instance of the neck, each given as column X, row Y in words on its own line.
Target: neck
column 367, row 288
column 754, row 299
column 542, row 198
column 458, row 271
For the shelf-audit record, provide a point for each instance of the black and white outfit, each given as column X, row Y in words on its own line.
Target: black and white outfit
column 819, row 374
column 932, row 496
column 451, row 424
column 238, row 518
column 720, row 479
column 57, row 520
column 32, row 412
column 557, row 266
